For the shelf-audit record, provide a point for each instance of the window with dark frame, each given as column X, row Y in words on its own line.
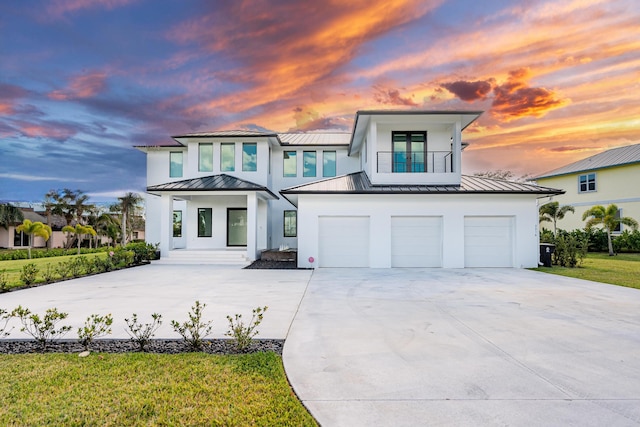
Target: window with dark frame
column 177, row 223
column 587, row 183
column 204, row 222
column 290, row 223
column 618, row 228
column 409, row 151
column 20, row 238
column 289, row 164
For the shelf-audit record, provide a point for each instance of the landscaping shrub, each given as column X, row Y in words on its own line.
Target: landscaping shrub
column 42, row 329
column 242, row 334
column 5, row 316
column 142, row 252
column 64, row 269
column 29, row 273
column 4, row 281
column 49, row 274
column 121, row 257
column 194, row 330
column 94, row 327
column 142, row 334
column 570, row 250
column 15, row 254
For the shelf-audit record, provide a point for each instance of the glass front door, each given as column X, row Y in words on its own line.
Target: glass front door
column 236, row 227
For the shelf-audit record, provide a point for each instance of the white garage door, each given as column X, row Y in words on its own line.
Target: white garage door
column 488, row 241
column 416, row 241
column 343, row 241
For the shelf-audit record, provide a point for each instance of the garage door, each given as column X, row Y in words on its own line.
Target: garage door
column 416, row 241
column 488, row 241
column 343, row 241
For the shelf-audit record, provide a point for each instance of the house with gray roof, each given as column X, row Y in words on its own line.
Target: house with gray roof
column 391, row 193
column 606, row 178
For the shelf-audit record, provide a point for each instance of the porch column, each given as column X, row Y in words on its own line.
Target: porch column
column 252, row 225
column 166, row 224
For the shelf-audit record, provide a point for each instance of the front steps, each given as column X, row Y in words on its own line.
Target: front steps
column 205, row 257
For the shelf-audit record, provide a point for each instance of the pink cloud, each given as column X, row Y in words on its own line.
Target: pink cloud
column 392, row 97
column 9, row 95
column 470, row 91
column 84, row 86
column 55, row 131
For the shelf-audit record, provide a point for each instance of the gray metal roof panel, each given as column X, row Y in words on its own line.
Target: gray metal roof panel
column 315, row 138
column 358, row 183
column 614, row 157
column 222, row 182
column 226, row 134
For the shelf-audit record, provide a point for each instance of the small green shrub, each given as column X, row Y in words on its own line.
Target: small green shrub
column 5, row 316
column 64, row 269
column 142, row 252
column 88, row 265
column 570, row 251
column 42, row 329
column 49, row 274
column 242, row 334
column 29, row 273
column 94, row 327
column 4, row 281
column 121, row 258
column 142, row 334
column 194, row 330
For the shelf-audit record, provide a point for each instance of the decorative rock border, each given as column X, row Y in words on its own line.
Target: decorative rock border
column 159, row 346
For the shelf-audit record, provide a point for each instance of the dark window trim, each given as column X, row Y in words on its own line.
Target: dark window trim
column 229, row 210
column 210, row 219
column 409, row 152
column 587, row 182
column 284, row 221
column 174, row 223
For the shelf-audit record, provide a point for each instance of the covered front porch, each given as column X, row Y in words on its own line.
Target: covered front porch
column 212, row 215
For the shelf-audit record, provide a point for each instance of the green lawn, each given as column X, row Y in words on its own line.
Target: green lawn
column 622, row 269
column 12, row 268
column 140, row 389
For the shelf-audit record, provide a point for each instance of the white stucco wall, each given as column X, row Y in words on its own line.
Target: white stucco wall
column 452, row 208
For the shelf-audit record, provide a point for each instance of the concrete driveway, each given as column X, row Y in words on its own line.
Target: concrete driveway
column 170, row 290
column 467, row 347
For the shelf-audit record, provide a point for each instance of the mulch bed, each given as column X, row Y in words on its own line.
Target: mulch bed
column 160, row 346
column 262, row 264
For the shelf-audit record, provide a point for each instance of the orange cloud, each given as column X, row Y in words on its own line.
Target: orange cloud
column 392, row 97
column 55, row 131
column 84, row 86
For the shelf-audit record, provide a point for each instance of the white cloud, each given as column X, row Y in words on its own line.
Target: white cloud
column 21, row 177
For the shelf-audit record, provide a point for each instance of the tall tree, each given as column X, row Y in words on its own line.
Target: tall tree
column 34, row 229
column 79, row 230
column 129, row 203
column 107, row 225
column 552, row 212
column 607, row 218
column 10, row 214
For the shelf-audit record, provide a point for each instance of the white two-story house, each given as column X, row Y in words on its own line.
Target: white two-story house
column 389, row 194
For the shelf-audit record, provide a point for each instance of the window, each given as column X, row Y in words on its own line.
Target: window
column 309, row 163
column 290, row 223
column 618, row 228
column 204, row 222
column 175, row 164
column 587, row 183
column 290, row 164
column 249, row 156
column 177, row 223
column 205, row 157
column 409, row 151
column 328, row 163
column 20, row 238
column 227, row 157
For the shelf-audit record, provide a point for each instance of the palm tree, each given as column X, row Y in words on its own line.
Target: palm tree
column 607, row 218
column 79, row 230
column 552, row 212
column 10, row 214
column 128, row 205
column 34, row 229
column 107, row 225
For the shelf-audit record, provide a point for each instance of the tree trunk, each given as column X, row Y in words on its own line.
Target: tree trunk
column 29, row 247
column 609, row 243
column 78, row 237
column 124, row 227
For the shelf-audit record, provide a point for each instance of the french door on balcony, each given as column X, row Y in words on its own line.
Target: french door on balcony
column 409, row 151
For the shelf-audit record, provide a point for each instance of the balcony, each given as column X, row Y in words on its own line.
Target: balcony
column 422, row 162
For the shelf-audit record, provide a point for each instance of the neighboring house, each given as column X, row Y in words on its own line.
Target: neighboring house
column 389, row 194
column 10, row 238
column 603, row 179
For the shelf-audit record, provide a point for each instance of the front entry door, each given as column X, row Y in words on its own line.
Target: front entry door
column 236, row 227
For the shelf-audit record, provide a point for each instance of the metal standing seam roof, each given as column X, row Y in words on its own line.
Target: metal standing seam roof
column 222, row 182
column 315, row 138
column 614, row 157
column 227, row 134
column 358, row 183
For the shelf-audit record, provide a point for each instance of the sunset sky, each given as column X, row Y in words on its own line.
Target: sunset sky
column 83, row 81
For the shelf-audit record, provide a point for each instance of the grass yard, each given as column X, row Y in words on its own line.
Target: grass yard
column 12, row 268
column 622, row 269
column 140, row 389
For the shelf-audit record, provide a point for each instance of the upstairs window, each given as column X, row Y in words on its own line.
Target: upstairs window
column 328, row 163
column 409, row 151
column 175, row 164
column 249, row 156
column 205, row 157
column 290, row 164
column 587, row 183
column 309, row 164
column 227, row 157
column 290, row 223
